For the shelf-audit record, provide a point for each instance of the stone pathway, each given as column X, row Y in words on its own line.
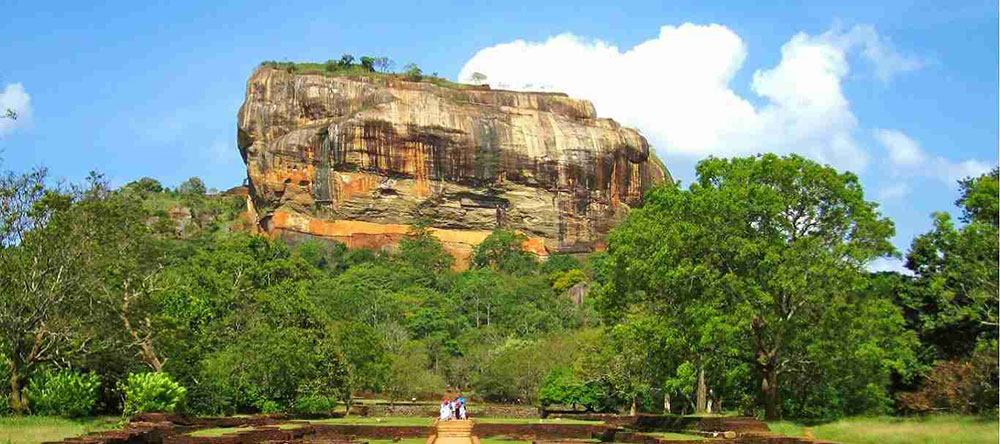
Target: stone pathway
column 453, row 432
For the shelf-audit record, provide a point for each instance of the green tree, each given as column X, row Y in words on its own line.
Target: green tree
column 563, row 387
column 146, row 185
column 365, row 357
column 767, row 249
column 368, row 63
column 502, row 251
column 561, row 262
column 52, row 257
column 954, row 296
column 192, row 187
column 410, row 374
column 413, row 72
column 422, row 251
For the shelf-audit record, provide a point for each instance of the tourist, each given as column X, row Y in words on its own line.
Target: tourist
column 445, row 410
column 454, row 409
column 462, row 413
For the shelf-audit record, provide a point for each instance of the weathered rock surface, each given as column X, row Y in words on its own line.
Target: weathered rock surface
column 360, row 160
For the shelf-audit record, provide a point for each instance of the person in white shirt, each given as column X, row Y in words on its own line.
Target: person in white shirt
column 445, row 410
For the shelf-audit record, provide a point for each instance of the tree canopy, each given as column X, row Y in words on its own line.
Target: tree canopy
column 760, row 260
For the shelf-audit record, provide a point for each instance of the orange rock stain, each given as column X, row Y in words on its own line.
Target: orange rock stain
column 359, row 234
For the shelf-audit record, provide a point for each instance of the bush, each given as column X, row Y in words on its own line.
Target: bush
column 413, row 72
column 151, row 393
column 959, row 386
column 315, row 404
column 65, row 393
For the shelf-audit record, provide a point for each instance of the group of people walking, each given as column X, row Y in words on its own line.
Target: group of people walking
column 453, row 409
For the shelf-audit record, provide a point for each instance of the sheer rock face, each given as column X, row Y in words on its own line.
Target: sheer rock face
column 361, row 160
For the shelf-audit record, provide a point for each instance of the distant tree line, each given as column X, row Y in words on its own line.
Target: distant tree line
column 369, row 66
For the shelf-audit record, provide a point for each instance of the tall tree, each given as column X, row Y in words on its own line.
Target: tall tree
column 52, row 252
column 766, row 248
column 954, row 299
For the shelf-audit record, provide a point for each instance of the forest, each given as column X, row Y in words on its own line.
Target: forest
column 747, row 290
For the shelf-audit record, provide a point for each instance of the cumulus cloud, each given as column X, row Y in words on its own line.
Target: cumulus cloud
column 14, row 98
column 676, row 88
column 908, row 159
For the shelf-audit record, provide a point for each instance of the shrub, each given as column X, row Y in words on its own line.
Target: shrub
column 152, row 392
column 958, row 386
column 64, row 393
column 314, row 404
column 413, row 72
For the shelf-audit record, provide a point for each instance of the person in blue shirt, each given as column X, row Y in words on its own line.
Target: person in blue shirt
column 463, row 412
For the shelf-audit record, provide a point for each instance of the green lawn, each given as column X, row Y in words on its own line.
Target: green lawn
column 219, row 431
column 388, row 421
column 501, row 441
column 534, row 421
column 946, row 429
column 424, row 440
column 37, row 429
column 389, row 441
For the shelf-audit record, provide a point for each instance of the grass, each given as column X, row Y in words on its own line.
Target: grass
column 388, row 421
column 534, row 421
column 38, row 429
column 424, row 440
column 677, row 436
column 402, row 441
column 945, row 429
column 219, row 431
column 501, row 441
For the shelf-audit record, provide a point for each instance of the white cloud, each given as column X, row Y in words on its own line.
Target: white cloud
column 909, row 159
column 877, row 50
column 676, row 88
column 888, row 264
column 903, row 151
column 16, row 99
column 894, row 191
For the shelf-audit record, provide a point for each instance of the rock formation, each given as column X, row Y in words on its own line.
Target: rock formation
column 362, row 159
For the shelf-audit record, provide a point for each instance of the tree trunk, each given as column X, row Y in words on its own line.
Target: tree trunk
column 666, row 403
column 349, row 402
column 702, row 399
column 149, row 355
column 769, row 387
column 18, row 402
column 632, row 411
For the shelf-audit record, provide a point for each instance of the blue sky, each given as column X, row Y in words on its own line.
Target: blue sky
column 903, row 93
